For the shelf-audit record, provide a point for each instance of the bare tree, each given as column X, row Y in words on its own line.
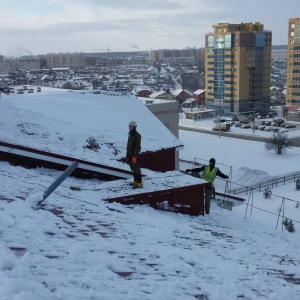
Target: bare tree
column 279, row 142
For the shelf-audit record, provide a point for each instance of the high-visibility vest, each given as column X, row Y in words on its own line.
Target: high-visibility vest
column 208, row 175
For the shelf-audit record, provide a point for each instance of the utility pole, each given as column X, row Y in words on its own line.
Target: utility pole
column 219, row 123
column 253, row 119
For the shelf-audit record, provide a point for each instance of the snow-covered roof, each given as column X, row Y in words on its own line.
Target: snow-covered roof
column 178, row 91
column 190, row 100
column 157, row 94
column 81, row 247
column 198, row 92
column 274, row 88
column 63, row 123
column 155, row 101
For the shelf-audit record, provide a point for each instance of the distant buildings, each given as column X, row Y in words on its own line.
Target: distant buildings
column 279, row 54
column 293, row 65
column 172, row 56
column 238, row 67
column 70, row 60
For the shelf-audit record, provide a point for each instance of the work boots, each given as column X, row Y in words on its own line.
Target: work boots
column 139, row 183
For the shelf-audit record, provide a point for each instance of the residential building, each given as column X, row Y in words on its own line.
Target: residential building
column 276, row 95
column 199, row 95
column 181, row 95
column 279, row 54
column 166, row 95
column 293, row 65
column 5, row 68
column 71, row 60
column 144, row 93
column 238, row 67
column 174, row 56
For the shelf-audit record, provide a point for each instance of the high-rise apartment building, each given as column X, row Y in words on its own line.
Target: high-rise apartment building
column 70, row 60
column 238, row 67
column 293, row 65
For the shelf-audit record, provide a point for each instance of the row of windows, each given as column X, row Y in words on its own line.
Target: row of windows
column 294, row 86
column 295, row 48
column 294, row 79
column 295, row 94
column 295, row 63
column 294, row 72
column 297, row 32
column 295, row 25
column 295, row 40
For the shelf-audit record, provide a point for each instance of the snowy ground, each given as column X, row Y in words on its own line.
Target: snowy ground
column 93, row 250
column 249, row 163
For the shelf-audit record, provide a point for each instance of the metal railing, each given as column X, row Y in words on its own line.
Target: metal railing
column 274, row 182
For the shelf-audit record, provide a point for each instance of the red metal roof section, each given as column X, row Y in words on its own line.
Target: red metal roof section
column 32, row 158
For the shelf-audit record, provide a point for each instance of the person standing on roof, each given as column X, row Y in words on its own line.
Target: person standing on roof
column 209, row 173
column 133, row 153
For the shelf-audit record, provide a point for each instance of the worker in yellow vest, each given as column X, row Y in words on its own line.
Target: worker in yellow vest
column 209, row 173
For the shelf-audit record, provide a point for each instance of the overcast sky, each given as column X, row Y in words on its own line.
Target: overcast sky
column 40, row 27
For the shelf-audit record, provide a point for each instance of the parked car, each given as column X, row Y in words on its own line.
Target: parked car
column 261, row 127
column 238, row 124
column 283, row 130
column 289, row 126
column 279, row 121
column 274, row 129
column 268, row 123
column 246, row 126
column 254, row 127
column 262, row 123
column 268, row 128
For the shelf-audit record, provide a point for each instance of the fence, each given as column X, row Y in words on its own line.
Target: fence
column 274, row 182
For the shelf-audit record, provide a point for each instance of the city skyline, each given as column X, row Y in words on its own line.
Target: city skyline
column 35, row 27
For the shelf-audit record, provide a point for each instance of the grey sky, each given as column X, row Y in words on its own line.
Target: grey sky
column 40, row 27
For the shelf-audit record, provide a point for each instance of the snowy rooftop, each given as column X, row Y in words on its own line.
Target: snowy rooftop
column 80, row 247
column 63, row 122
column 198, row 92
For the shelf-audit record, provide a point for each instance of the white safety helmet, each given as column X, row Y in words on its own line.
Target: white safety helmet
column 132, row 123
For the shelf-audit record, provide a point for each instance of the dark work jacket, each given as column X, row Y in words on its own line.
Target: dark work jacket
column 201, row 169
column 134, row 143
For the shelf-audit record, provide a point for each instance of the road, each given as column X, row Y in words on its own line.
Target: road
column 295, row 141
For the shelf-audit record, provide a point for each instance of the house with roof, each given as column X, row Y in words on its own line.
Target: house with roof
column 275, row 95
column 189, row 103
column 144, row 93
column 162, row 95
column 180, row 95
column 199, row 96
